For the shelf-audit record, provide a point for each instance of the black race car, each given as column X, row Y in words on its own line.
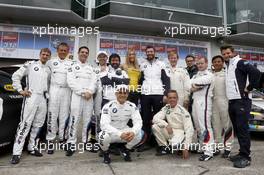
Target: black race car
column 10, row 109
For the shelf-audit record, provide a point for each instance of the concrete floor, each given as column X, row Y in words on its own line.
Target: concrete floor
column 143, row 163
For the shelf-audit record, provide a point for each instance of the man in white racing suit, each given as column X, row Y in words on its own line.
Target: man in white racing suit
column 202, row 88
column 179, row 80
column 82, row 81
column 60, row 95
column 222, row 126
column 172, row 126
column 35, row 103
column 100, row 71
column 114, row 124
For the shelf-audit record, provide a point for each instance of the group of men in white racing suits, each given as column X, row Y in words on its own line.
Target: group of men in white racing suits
column 76, row 90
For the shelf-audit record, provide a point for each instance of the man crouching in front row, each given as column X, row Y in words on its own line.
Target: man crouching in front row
column 173, row 128
column 114, row 120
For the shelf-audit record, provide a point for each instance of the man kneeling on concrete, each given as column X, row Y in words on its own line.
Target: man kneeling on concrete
column 114, row 120
column 173, row 128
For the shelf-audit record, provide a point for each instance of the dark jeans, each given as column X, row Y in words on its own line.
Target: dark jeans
column 150, row 105
column 133, row 97
column 239, row 111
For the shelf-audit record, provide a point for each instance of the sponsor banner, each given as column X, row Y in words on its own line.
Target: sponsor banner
column 19, row 42
column 120, row 43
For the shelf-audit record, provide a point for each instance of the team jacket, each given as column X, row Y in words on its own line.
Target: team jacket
column 176, row 118
column 113, row 78
column 240, row 74
column 37, row 74
column 115, row 117
column 154, row 78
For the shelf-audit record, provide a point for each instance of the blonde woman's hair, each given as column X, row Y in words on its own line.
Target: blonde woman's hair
column 128, row 64
column 172, row 53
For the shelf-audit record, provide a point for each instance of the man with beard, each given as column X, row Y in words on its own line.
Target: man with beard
column 191, row 66
column 115, row 76
column 155, row 85
column 241, row 78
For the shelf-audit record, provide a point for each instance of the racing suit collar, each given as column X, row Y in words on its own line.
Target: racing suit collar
column 119, row 104
column 152, row 61
column 82, row 64
column 40, row 63
column 173, row 68
column 111, row 68
column 203, row 72
column 61, row 60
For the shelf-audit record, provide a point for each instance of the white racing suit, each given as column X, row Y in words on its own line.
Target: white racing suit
column 95, row 121
column 179, row 119
column 34, row 107
column 81, row 78
column 202, row 110
column 59, row 101
column 179, row 81
column 222, row 126
column 114, row 119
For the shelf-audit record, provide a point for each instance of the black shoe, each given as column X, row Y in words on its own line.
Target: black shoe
column 235, row 158
column 161, row 151
column 217, row 152
column 15, row 159
column 50, row 148
column 69, row 151
column 226, row 154
column 107, row 159
column 114, row 148
column 242, row 163
column 90, row 146
column 143, row 147
column 49, row 151
column 205, row 157
column 125, row 153
column 35, row 152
